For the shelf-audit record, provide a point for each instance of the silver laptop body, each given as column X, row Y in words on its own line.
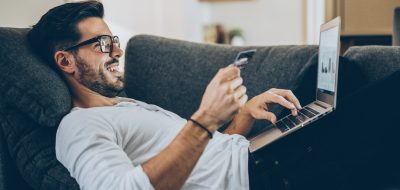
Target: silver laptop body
column 326, row 91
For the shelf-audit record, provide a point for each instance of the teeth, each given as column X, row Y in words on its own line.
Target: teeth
column 112, row 68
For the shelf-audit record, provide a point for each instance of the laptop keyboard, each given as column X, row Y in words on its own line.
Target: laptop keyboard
column 281, row 126
column 306, row 113
column 291, row 121
column 312, row 110
column 295, row 119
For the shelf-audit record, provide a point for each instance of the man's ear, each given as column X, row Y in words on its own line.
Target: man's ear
column 64, row 61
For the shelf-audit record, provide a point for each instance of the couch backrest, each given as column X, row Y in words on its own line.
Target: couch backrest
column 155, row 65
column 174, row 74
column 375, row 62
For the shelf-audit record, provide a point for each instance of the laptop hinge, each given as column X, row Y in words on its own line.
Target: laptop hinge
column 323, row 104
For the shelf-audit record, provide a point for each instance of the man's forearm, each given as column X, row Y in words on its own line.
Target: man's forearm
column 241, row 124
column 171, row 168
column 223, row 96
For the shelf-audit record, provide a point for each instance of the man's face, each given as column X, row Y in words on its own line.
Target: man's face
column 96, row 70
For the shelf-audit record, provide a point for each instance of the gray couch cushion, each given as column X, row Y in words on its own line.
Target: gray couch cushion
column 3, row 161
column 173, row 74
column 33, row 99
column 29, row 85
column 32, row 148
column 375, row 62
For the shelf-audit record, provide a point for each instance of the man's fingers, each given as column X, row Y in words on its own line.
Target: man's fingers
column 243, row 100
column 230, row 72
column 239, row 92
column 268, row 116
column 294, row 112
column 275, row 98
column 288, row 94
column 236, row 83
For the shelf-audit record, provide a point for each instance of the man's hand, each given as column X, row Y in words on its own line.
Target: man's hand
column 223, row 98
column 258, row 108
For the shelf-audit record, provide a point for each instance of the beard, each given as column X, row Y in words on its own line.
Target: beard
column 99, row 81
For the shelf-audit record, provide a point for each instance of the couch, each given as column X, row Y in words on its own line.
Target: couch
column 170, row 73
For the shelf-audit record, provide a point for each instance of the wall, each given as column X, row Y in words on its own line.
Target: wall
column 316, row 12
column 179, row 19
column 363, row 17
column 264, row 22
column 24, row 13
column 173, row 18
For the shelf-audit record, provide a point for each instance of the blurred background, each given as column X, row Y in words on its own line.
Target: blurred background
column 235, row 22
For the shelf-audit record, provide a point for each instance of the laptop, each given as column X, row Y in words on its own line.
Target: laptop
column 326, row 90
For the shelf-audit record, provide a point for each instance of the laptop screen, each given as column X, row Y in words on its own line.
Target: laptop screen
column 328, row 62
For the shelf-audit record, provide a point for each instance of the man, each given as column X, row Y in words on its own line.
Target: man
column 108, row 142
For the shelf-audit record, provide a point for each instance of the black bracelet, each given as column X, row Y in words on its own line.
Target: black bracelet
column 210, row 135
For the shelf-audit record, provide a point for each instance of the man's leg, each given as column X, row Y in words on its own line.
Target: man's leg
column 261, row 180
column 349, row 146
column 363, row 135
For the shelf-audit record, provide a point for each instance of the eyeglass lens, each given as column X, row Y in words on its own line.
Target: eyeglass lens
column 106, row 43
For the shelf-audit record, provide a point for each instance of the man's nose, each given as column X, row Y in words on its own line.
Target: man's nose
column 117, row 52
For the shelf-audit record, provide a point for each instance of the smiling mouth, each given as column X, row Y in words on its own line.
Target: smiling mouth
column 113, row 67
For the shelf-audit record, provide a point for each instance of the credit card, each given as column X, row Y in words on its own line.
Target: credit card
column 243, row 58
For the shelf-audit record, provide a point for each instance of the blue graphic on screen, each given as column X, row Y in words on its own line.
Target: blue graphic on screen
column 327, row 59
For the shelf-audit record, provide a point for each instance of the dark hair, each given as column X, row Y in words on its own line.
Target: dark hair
column 57, row 29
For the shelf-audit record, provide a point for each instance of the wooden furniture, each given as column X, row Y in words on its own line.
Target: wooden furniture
column 364, row 22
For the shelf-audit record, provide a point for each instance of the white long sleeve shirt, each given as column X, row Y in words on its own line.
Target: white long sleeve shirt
column 103, row 148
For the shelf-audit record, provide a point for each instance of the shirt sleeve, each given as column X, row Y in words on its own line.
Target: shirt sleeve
column 87, row 146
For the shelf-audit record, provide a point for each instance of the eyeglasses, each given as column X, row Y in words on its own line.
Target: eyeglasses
column 105, row 43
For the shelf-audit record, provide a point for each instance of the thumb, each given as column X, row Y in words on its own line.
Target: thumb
column 268, row 116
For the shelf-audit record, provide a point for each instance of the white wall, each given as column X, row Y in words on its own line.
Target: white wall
column 183, row 19
column 24, row 13
column 315, row 17
column 264, row 22
column 180, row 19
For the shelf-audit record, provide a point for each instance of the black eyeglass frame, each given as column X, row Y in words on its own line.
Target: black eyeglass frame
column 96, row 39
